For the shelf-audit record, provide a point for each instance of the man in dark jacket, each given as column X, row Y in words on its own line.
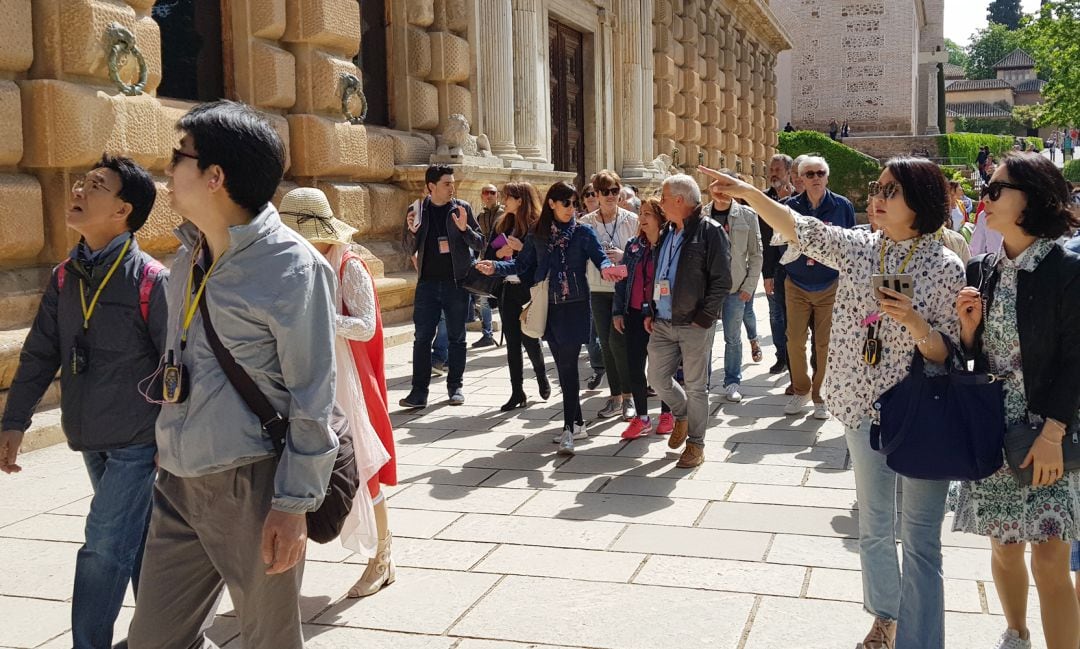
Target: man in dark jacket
column 693, row 278
column 445, row 235
column 102, row 323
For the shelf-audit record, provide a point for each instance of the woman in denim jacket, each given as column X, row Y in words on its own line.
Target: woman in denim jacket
column 630, row 308
column 558, row 250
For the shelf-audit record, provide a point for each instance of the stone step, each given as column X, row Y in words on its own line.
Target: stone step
column 10, row 345
column 396, row 290
column 44, row 431
column 51, row 398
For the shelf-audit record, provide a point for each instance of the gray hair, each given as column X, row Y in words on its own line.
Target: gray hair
column 635, row 204
column 816, row 160
column 796, row 162
column 782, row 157
column 684, row 186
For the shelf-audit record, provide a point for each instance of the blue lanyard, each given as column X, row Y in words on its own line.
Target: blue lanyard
column 672, row 251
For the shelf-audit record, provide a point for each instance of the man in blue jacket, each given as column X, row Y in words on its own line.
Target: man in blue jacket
column 102, row 323
column 810, row 289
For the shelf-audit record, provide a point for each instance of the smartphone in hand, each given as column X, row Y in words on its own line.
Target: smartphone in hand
column 903, row 283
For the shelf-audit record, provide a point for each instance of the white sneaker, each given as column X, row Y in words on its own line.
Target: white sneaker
column 797, row 403
column 732, row 394
column 821, row 412
column 580, row 433
column 1011, row 640
column 566, row 443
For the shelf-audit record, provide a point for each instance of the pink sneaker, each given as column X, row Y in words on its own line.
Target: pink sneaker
column 638, row 428
column 666, row 425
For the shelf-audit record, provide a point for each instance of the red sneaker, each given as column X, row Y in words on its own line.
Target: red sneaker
column 666, row 425
column 638, row 428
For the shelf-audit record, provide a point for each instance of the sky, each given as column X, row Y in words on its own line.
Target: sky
column 964, row 17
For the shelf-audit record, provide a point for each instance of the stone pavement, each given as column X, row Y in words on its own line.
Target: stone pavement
column 502, row 545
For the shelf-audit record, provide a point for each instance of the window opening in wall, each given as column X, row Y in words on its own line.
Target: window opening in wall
column 192, row 61
column 373, row 61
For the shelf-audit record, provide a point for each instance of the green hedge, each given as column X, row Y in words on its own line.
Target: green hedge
column 849, row 170
column 1072, row 171
column 964, row 147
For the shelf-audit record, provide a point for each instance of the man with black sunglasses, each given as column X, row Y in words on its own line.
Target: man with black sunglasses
column 810, row 289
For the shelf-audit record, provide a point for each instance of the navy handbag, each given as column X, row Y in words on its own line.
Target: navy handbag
column 948, row 427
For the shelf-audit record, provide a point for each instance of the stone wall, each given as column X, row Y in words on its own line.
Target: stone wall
column 888, row 146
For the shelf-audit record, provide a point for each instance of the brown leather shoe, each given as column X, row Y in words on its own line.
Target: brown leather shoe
column 692, row 456
column 678, row 436
column 882, row 635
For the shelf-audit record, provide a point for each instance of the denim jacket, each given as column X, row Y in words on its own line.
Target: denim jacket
column 637, row 250
column 534, row 264
column 271, row 301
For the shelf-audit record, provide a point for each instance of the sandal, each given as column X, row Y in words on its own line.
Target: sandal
column 755, row 351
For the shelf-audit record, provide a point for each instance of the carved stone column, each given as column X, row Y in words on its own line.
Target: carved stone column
column 494, row 52
column 648, row 129
column 531, row 105
column 630, row 104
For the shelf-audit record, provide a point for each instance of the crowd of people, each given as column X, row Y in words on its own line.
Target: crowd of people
column 167, row 376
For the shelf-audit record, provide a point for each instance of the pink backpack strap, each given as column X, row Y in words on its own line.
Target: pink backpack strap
column 150, row 270
column 61, row 273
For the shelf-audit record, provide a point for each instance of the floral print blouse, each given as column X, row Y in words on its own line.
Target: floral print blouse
column 851, row 384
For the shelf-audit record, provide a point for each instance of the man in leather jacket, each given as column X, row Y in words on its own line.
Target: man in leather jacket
column 693, row 278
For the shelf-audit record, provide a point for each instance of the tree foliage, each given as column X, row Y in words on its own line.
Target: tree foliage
column 1030, row 115
column 988, row 45
column 1053, row 40
column 957, row 55
column 1004, row 12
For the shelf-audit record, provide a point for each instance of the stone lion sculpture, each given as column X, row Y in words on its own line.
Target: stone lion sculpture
column 455, row 140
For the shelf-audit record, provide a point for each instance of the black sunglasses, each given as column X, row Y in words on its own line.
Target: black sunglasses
column 177, row 154
column 567, row 202
column 820, row 173
column 993, row 190
column 610, row 191
column 588, row 194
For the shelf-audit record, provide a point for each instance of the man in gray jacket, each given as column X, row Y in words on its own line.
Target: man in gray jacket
column 102, row 323
column 741, row 225
column 227, row 509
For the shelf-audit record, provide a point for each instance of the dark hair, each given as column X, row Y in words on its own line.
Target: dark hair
column 240, row 140
column 926, row 192
column 1047, row 214
column 435, row 173
column 557, row 192
column 954, row 185
column 523, row 220
column 137, row 187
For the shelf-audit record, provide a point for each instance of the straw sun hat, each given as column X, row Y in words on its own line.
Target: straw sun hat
column 306, row 210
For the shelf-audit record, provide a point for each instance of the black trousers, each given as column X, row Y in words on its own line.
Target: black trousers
column 637, row 353
column 515, row 296
column 566, row 363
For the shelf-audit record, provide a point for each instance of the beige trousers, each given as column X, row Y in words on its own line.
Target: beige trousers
column 801, row 307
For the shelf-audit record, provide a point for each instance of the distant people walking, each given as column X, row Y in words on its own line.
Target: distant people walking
column 102, row 323
column 693, row 278
column 845, row 131
column 788, row 128
column 834, row 130
column 557, row 253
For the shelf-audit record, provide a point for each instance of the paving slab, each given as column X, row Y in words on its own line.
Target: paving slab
column 723, row 574
column 451, row 498
column 433, row 553
column 693, row 542
column 527, row 530
column 29, row 622
column 613, row 507
column 585, row 565
column 783, row 519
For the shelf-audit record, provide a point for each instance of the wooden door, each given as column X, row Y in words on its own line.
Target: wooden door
column 567, row 63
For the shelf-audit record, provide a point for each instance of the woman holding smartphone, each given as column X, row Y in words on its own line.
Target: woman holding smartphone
column 1036, row 351
column 559, row 249
column 522, row 211
column 874, row 336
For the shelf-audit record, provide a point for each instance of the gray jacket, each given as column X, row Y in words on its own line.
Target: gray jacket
column 100, row 408
column 745, row 236
column 271, row 301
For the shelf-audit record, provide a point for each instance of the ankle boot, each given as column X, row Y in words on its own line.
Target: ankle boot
column 517, row 400
column 544, row 385
column 380, row 571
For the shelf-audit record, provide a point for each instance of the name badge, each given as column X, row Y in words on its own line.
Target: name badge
column 444, row 246
column 662, row 289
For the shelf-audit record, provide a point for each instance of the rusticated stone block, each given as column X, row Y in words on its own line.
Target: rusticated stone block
column 714, row 137
column 459, row 100
column 677, row 27
column 664, row 122
column 746, row 146
column 268, row 18
column 662, row 40
column 692, row 104
column 142, row 6
column 318, row 80
column 452, row 15
column 11, row 140
column 730, row 62
column 350, row 203
column 712, row 47
column 450, row 60
column 418, row 53
column 680, row 130
column 713, row 114
column 662, row 13
column 322, row 147
column 423, row 104
column 664, row 67
column 677, row 54
column 68, row 125
column 22, row 231
column 731, row 141
column 691, row 82
column 420, row 12
column 148, row 39
column 156, row 236
column 409, row 148
column 691, row 130
column 665, row 93
column 689, row 31
column 388, row 205
column 334, row 24
column 730, row 99
column 277, row 76
column 712, row 91
column 16, row 35
column 679, row 105
column 380, row 157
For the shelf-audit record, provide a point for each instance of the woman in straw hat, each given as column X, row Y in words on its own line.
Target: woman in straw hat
column 361, row 385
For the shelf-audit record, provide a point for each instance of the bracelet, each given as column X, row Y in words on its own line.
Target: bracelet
column 925, row 339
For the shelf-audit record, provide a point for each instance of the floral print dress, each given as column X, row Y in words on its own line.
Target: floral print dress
column 999, row 506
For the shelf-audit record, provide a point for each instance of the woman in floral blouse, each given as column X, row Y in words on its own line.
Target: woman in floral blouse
column 909, row 204
column 1037, row 348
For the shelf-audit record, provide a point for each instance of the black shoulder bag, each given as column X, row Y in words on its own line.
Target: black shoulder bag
column 325, row 523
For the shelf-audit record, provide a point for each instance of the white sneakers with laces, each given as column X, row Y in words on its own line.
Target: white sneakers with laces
column 731, row 393
column 796, row 404
column 1011, row 640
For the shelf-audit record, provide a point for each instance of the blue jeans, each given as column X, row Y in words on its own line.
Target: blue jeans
column 111, row 555
column 435, row 299
column 750, row 319
column 596, row 356
column 440, row 349
column 778, row 314
column 732, row 317
column 485, row 313
column 914, row 597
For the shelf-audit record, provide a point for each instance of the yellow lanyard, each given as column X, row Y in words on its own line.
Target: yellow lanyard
column 904, row 264
column 192, row 305
column 89, row 311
